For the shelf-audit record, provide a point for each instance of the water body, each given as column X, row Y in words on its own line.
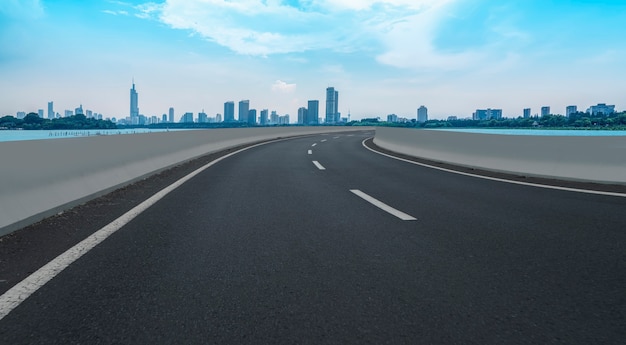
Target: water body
column 18, row 135
column 548, row 132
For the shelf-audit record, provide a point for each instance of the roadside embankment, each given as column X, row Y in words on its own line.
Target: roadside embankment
column 39, row 178
column 599, row 159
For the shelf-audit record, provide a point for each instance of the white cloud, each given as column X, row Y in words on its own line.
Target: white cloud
column 265, row 27
column 281, row 86
column 115, row 13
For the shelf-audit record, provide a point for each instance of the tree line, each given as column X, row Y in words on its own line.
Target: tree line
column 32, row 121
column 579, row 120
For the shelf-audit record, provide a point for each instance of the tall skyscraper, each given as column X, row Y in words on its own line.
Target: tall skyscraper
column 79, row 110
column 526, row 113
column 545, row 111
column 274, row 118
column 252, row 117
column 229, row 111
column 302, row 115
column 263, row 120
column 134, row 105
column 244, row 109
column 422, row 114
column 570, row 109
column 332, row 105
column 171, row 114
column 51, row 110
column 313, row 112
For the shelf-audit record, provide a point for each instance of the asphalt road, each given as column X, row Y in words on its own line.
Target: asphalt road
column 267, row 246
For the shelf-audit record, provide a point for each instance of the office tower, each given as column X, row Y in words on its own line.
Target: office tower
column 50, row 110
column 68, row 113
column 187, row 118
column 570, row 109
column 134, row 105
column 229, row 111
column 601, row 109
column 264, row 119
column 393, row 118
column 422, row 114
column 171, row 114
column 487, row 114
column 244, row 109
column 202, row 117
column 332, row 115
column 302, row 115
column 252, row 117
column 545, row 111
column 164, row 118
column 337, row 114
column 526, row 113
column 218, row 117
column 79, row 110
column 313, row 112
column 40, row 113
column 274, row 118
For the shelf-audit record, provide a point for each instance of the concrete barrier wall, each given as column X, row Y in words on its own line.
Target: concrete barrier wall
column 577, row 158
column 39, row 178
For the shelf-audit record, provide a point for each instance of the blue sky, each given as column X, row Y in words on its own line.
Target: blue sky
column 453, row 56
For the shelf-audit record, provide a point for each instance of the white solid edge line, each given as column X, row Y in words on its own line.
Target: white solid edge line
column 382, row 205
column 22, row 290
column 318, row 165
column 310, row 152
column 577, row 190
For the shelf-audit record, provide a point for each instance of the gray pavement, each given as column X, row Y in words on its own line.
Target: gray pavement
column 264, row 247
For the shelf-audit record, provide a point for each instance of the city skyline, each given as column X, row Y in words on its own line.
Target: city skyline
column 385, row 56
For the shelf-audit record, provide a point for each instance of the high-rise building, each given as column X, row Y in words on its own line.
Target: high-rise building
column 187, row 118
column 526, row 113
column 570, row 109
column 263, row 119
column 244, row 109
column 51, row 110
column 229, row 111
column 218, row 117
column 337, row 113
column 68, row 113
column 171, row 115
column 422, row 114
column 134, row 105
column 313, row 112
column 40, row 113
column 252, row 117
column 392, row 118
column 487, row 114
column 202, row 117
column 79, row 110
column 601, row 108
column 545, row 111
column 332, row 106
column 274, row 118
column 164, row 118
column 302, row 115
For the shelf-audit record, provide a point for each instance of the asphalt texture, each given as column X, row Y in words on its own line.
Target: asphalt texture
column 264, row 247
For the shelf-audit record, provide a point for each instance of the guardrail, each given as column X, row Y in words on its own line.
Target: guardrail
column 39, row 178
column 599, row 159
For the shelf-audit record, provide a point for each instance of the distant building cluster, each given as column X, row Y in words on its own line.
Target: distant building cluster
column 309, row 115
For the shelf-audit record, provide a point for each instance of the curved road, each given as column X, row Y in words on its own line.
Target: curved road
column 318, row 240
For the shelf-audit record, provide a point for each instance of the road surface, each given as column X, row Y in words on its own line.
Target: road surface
column 319, row 240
